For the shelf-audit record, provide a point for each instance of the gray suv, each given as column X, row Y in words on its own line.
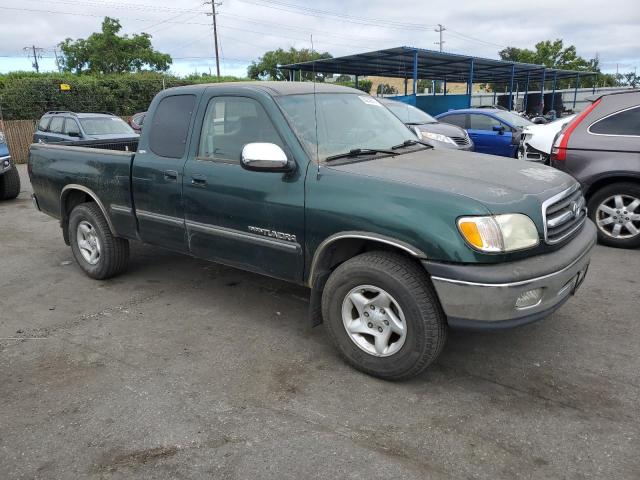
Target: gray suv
column 61, row 126
column 601, row 149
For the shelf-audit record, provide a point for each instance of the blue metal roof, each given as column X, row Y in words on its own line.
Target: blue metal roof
column 399, row 62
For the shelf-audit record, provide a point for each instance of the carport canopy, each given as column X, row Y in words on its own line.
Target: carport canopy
column 410, row 62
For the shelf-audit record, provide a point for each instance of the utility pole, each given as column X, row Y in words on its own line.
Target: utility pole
column 215, row 32
column 440, row 29
column 37, row 53
column 55, row 53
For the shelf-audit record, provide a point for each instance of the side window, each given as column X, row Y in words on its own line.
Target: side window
column 626, row 122
column 484, row 122
column 71, row 127
column 44, row 123
column 458, row 120
column 56, row 125
column 170, row 125
column 232, row 122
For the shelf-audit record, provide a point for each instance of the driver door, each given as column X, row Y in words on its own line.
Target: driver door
column 489, row 134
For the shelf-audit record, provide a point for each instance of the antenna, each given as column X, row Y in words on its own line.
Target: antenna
column 315, row 110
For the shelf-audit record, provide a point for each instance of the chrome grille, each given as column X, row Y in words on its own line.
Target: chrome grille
column 563, row 214
column 461, row 141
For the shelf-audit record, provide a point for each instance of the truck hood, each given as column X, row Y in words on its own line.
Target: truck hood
column 501, row 184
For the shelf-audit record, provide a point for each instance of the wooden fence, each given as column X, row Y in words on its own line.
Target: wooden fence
column 19, row 135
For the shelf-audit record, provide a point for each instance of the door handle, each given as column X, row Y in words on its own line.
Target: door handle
column 198, row 181
column 171, row 175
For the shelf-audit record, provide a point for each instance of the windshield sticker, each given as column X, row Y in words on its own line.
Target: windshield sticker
column 369, row 100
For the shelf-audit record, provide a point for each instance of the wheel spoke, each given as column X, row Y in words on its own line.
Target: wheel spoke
column 85, row 229
column 382, row 300
column 616, row 229
column 358, row 326
column 605, row 221
column 635, row 217
column 631, row 228
column 94, row 255
column 633, row 205
column 382, row 341
column 84, row 245
column 607, row 210
column 395, row 323
column 359, row 301
column 618, row 201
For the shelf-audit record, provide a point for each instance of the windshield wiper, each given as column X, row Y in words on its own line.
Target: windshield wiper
column 408, row 143
column 357, row 152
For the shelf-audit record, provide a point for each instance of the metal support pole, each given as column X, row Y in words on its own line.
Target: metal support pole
column 526, row 92
column 575, row 91
column 433, row 87
column 405, row 86
column 494, row 95
column 553, row 91
column 513, row 72
column 356, row 81
column 593, row 90
column 470, row 83
column 415, row 72
column 544, row 78
column 444, row 88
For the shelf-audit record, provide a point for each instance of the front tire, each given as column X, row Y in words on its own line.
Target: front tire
column 98, row 252
column 382, row 314
column 10, row 184
column 615, row 209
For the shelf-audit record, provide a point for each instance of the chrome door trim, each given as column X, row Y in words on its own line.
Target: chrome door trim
column 120, row 209
column 92, row 194
column 224, row 232
column 411, row 250
column 160, row 218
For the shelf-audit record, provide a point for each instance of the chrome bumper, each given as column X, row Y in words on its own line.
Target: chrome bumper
column 479, row 305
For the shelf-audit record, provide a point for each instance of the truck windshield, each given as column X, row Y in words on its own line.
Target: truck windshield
column 105, row 126
column 346, row 122
column 409, row 114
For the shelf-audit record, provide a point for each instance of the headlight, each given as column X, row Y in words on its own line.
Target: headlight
column 499, row 233
column 438, row 137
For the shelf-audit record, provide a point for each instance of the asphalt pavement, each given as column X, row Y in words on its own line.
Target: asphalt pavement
column 185, row 369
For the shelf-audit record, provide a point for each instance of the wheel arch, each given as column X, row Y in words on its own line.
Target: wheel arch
column 604, row 181
column 73, row 195
column 342, row 246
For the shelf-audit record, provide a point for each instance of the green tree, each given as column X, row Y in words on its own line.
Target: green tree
column 266, row 67
column 107, row 52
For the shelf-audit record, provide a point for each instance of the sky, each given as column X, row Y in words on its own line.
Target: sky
column 248, row 28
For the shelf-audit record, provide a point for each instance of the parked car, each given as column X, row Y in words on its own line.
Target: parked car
column 136, row 121
column 60, row 126
column 601, row 149
column 9, row 176
column 437, row 133
column 494, row 131
column 536, row 140
column 320, row 186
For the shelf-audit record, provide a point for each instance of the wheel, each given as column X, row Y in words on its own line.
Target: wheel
column 381, row 312
column 98, row 252
column 10, row 184
column 615, row 209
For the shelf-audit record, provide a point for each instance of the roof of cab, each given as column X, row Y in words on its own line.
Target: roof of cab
column 275, row 88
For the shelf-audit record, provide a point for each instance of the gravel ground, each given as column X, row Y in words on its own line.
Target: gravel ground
column 185, row 369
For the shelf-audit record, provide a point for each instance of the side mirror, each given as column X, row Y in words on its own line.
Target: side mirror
column 264, row 157
column 499, row 129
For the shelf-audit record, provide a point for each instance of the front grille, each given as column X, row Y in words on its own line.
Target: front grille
column 563, row 214
column 461, row 141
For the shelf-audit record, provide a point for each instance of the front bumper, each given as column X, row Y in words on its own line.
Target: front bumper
column 5, row 163
column 484, row 296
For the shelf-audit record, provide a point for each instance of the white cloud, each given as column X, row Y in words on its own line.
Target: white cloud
column 247, row 29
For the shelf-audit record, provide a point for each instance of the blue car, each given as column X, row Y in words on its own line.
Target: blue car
column 493, row 131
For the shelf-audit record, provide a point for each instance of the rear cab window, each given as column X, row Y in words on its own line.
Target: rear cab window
column 43, row 126
column 623, row 123
column 170, row 125
column 56, row 125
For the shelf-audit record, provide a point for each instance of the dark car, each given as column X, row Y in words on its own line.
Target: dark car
column 493, row 130
column 137, row 120
column 437, row 133
column 60, row 126
column 601, row 149
column 9, row 177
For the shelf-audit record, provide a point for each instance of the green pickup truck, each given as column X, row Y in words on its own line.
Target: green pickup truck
column 324, row 187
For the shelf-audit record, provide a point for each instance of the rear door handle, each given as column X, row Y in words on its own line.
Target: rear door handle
column 198, row 180
column 171, row 175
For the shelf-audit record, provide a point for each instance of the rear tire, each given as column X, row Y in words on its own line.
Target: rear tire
column 10, row 184
column 98, row 252
column 367, row 299
column 615, row 209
